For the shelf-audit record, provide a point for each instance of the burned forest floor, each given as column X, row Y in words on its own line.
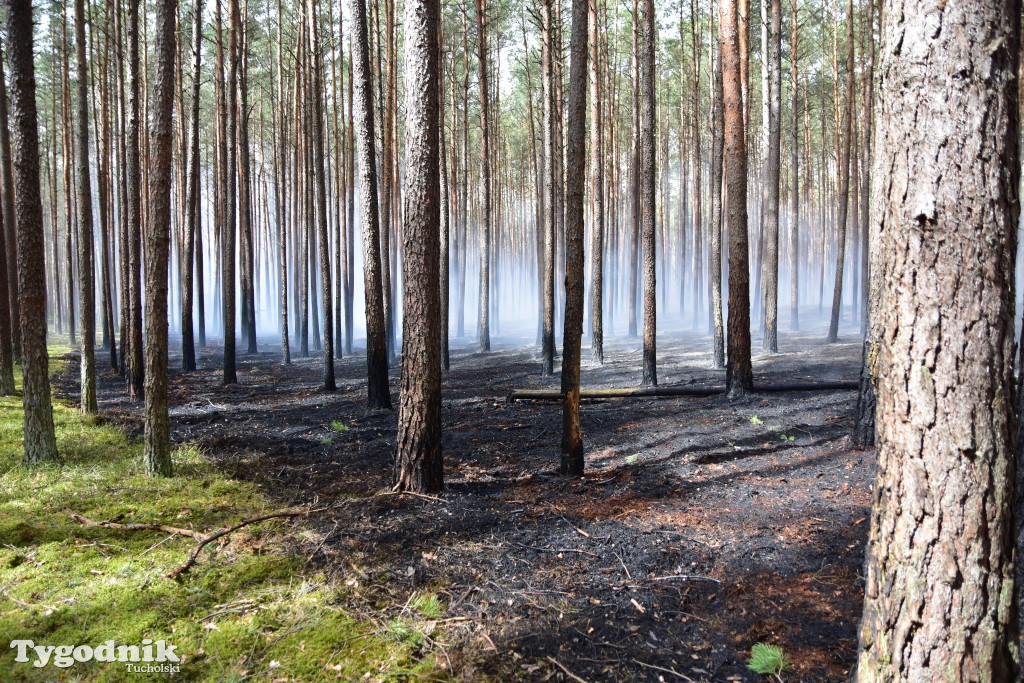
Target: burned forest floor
column 702, row 525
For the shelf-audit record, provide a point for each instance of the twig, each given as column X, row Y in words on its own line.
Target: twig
column 581, row 531
column 82, row 519
column 567, row 672
column 628, row 576
column 668, row 671
column 559, row 550
column 156, row 545
column 190, row 562
column 685, row 577
column 26, row 605
column 411, row 493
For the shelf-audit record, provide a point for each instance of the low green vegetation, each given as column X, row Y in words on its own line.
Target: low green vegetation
column 768, row 660
column 247, row 610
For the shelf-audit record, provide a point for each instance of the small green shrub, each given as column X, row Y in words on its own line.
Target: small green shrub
column 768, row 660
column 428, row 605
column 339, row 426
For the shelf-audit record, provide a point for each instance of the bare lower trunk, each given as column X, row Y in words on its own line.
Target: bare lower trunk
column 739, row 373
column 377, row 391
column 40, row 443
column 576, row 160
column 418, row 464
column 86, row 272
column 157, row 453
column 940, row 601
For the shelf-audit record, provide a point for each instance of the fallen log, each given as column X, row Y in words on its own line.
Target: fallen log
column 662, row 392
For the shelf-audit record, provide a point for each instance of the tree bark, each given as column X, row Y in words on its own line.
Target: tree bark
column 485, row 181
column 157, row 452
column 39, row 441
column 228, row 177
column 136, row 362
column 770, row 185
column 377, row 391
column 597, row 188
column 647, row 197
column 844, row 180
column 940, row 600
column 320, row 186
column 739, row 376
column 418, row 463
column 548, row 124
column 11, row 221
column 188, row 349
column 717, row 171
column 86, row 268
column 576, row 163
column 794, row 162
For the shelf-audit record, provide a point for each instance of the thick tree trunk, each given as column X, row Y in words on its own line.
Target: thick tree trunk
column 739, row 373
column 86, row 269
column 377, row 390
column 418, row 463
column 940, row 601
column 39, row 441
column 157, row 453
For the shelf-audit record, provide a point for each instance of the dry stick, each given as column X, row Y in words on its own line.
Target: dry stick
column 659, row 668
column 411, row 493
column 559, row 550
column 213, row 537
column 82, row 519
column 567, row 672
column 685, row 577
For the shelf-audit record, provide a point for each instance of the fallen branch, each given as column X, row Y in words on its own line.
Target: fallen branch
column 82, row 519
column 685, row 577
column 663, row 392
column 191, row 561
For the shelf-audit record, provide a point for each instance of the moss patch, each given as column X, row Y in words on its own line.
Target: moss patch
column 248, row 610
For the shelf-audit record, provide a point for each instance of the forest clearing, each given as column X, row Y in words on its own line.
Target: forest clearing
column 565, row 340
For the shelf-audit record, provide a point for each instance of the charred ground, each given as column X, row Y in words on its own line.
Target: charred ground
column 702, row 526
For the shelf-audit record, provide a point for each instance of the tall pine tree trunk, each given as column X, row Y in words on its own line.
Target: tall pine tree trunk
column 940, row 601
column 86, row 270
column 739, row 378
column 576, row 161
column 157, row 452
column 418, row 463
column 377, row 390
column 40, row 444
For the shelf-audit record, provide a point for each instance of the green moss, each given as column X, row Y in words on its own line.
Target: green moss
column 246, row 610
